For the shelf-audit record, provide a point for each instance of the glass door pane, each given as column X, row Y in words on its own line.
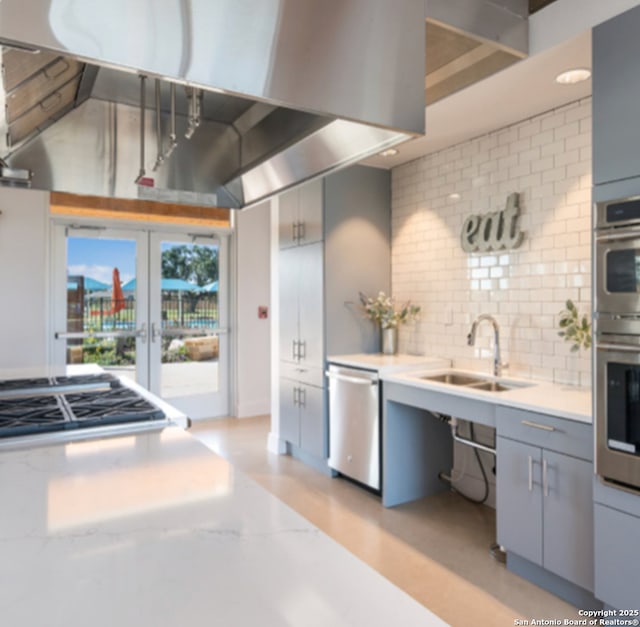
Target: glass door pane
column 105, row 315
column 188, row 352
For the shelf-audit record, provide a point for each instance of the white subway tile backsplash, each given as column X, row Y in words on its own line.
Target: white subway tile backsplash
column 547, row 160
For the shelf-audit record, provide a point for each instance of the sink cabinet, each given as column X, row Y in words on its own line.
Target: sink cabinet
column 545, row 493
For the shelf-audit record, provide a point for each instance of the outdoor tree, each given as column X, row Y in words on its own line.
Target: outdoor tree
column 192, row 263
column 196, row 264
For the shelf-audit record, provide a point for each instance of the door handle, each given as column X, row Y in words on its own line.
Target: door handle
column 302, row 349
column 349, row 379
column 545, row 482
column 621, row 348
column 301, row 231
column 156, row 332
column 530, row 473
column 295, row 349
column 302, row 397
column 296, row 397
column 294, row 231
column 80, row 335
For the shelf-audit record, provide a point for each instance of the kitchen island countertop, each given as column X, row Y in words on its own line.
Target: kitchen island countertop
column 155, row 529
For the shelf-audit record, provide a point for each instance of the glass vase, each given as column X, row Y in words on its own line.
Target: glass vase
column 389, row 341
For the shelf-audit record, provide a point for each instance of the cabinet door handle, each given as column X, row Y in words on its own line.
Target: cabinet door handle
column 530, row 473
column 296, row 397
column 545, row 483
column 301, row 231
column 302, row 349
column 295, row 350
column 537, row 425
column 302, row 397
column 294, row 231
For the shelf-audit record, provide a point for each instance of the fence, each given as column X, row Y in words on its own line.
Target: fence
column 178, row 310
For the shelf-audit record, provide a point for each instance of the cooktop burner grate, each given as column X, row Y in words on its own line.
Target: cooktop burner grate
column 10, row 388
column 70, row 406
column 22, row 416
column 116, row 405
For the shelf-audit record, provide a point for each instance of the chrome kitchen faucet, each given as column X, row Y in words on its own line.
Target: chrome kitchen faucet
column 471, row 340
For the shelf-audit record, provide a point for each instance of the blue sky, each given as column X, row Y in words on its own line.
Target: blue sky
column 96, row 258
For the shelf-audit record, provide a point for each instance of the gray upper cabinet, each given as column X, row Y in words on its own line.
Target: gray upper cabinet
column 616, row 94
column 301, row 304
column 545, row 493
column 288, row 298
column 300, row 215
column 335, row 238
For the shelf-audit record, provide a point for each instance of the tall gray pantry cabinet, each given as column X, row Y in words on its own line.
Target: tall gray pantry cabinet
column 616, row 174
column 334, row 242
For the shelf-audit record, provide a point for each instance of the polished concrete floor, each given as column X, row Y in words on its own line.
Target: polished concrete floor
column 436, row 549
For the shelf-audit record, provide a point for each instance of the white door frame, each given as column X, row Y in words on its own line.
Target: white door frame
column 142, row 231
column 219, row 405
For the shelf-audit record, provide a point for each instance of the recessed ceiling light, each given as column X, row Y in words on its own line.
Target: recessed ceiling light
column 389, row 152
column 454, row 196
column 573, row 76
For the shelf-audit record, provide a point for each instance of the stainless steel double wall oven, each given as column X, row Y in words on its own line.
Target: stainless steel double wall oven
column 617, row 352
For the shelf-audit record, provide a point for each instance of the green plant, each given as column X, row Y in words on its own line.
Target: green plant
column 383, row 310
column 574, row 327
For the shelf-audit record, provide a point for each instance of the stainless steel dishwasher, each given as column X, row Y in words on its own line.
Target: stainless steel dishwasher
column 354, row 424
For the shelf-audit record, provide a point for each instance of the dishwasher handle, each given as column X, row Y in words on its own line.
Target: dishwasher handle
column 348, row 379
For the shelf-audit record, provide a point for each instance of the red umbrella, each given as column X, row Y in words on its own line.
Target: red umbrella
column 117, row 295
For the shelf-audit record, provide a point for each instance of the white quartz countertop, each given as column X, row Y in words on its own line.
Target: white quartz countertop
column 564, row 401
column 388, row 363
column 156, row 529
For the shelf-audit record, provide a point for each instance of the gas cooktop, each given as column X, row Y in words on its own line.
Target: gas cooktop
column 36, row 406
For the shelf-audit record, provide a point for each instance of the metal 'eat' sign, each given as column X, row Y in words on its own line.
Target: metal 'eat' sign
column 493, row 231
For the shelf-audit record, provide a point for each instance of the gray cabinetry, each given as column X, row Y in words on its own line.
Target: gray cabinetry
column 545, row 493
column 301, row 303
column 300, row 416
column 334, row 242
column 617, row 546
column 300, row 215
column 519, row 506
column 616, row 93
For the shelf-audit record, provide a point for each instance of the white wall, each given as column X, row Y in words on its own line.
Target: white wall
column 253, row 250
column 24, row 245
column 547, row 160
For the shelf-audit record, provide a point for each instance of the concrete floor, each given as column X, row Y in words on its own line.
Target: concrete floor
column 436, row 549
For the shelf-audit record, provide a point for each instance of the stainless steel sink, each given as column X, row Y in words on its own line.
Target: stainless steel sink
column 474, row 382
column 453, row 378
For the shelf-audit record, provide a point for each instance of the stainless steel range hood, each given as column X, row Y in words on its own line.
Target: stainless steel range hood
column 272, row 92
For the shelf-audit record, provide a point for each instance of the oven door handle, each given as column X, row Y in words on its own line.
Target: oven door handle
column 621, row 236
column 623, row 348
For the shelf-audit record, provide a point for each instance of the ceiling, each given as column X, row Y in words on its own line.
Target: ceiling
column 522, row 90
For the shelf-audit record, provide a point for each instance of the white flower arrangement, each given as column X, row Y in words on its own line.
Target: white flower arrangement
column 383, row 310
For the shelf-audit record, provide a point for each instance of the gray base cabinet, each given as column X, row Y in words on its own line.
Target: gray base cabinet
column 301, row 405
column 617, row 546
column 334, row 241
column 544, row 495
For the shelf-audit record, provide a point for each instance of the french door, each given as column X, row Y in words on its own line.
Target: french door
column 148, row 305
